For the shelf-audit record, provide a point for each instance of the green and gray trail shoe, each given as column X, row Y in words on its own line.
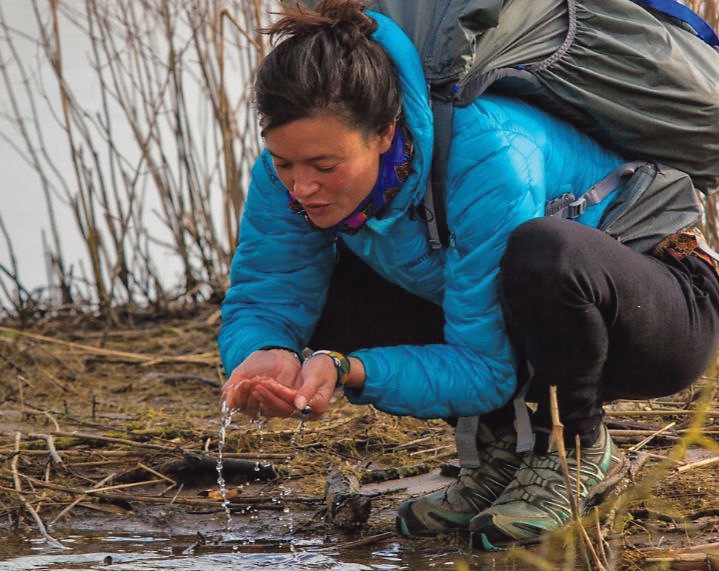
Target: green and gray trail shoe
column 537, row 499
column 475, row 489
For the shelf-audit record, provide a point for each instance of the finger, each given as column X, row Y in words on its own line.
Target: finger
column 253, row 406
column 242, row 394
column 232, row 395
column 272, row 405
column 238, row 397
column 326, row 390
column 314, row 375
column 282, row 392
column 279, row 397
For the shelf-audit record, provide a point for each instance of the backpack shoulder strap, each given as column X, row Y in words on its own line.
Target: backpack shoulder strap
column 436, row 192
column 685, row 14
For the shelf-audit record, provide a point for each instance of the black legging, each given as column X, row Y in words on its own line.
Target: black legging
column 593, row 317
column 602, row 322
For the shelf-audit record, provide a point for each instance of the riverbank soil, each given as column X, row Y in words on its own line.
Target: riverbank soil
column 116, row 427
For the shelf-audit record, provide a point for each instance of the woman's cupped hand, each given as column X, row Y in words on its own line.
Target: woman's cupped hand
column 273, row 383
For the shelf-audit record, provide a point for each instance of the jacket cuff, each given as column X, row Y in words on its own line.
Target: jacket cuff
column 373, row 386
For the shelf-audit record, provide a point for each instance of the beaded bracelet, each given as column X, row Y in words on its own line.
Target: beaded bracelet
column 341, row 363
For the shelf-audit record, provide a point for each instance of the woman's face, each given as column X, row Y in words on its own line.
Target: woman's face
column 326, row 165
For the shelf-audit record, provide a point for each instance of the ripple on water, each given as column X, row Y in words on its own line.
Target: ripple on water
column 121, row 561
column 148, row 552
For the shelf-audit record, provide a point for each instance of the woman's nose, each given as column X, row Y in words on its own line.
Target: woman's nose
column 304, row 184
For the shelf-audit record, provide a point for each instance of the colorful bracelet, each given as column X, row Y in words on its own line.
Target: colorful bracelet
column 341, row 363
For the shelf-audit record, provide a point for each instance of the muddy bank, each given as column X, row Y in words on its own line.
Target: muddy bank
column 118, row 430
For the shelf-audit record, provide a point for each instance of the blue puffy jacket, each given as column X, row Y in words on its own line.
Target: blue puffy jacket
column 506, row 160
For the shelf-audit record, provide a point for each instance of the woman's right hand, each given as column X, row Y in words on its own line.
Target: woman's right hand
column 271, row 366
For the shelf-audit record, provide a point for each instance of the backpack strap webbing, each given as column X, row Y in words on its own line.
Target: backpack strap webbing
column 567, row 206
column 465, row 436
column 436, row 192
column 685, row 14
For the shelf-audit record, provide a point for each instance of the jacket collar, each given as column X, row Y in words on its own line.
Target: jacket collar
column 417, row 116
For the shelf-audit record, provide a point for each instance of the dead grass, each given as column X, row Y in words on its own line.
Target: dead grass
column 112, row 408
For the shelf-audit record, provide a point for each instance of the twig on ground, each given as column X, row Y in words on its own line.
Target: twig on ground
column 600, row 538
column 433, row 450
column 113, row 440
column 645, row 413
column 177, row 493
column 111, row 495
column 50, row 446
column 173, row 379
column 372, row 539
column 648, row 439
column 411, row 443
column 200, row 358
column 156, row 473
column 18, row 488
column 124, row 486
column 70, row 507
column 698, row 464
column 52, row 419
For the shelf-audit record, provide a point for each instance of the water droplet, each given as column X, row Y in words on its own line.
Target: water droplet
column 225, row 421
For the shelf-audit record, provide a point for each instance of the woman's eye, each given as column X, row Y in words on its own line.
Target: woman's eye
column 325, row 169
column 282, row 166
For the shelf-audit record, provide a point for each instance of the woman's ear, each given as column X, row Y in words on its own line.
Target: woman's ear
column 386, row 136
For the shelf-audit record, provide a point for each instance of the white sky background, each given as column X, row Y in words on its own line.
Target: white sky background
column 22, row 203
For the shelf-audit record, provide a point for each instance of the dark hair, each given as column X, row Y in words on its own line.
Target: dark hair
column 326, row 63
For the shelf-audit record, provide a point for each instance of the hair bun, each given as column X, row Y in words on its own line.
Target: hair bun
column 344, row 18
column 326, row 63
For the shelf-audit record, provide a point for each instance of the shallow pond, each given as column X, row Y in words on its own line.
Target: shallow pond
column 136, row 552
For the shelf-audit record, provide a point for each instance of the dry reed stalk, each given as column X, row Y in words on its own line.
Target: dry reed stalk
column 84, row 207
column 557, row 438
column 651, row 413
column 34, row 149
column 156, row 473
column 124, row 486
column 650, row 437
column 50, row 446
column 698, row 464
column 200, row 358
column 80, row 499
column 51, row 541
column 109, row 494
column 156, row 68
column 112, row 440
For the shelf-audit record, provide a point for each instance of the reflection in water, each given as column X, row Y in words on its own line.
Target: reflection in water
column 134, row 552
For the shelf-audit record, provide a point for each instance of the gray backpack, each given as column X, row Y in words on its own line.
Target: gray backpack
column 642, row 78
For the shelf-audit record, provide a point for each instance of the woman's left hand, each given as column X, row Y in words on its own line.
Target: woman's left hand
column 319, row 379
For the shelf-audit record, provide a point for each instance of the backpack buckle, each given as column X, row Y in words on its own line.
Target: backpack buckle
column 559, row 204
column 576, row 209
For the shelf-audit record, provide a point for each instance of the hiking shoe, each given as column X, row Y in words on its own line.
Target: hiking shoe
column 537, row 499
column 475, row 489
